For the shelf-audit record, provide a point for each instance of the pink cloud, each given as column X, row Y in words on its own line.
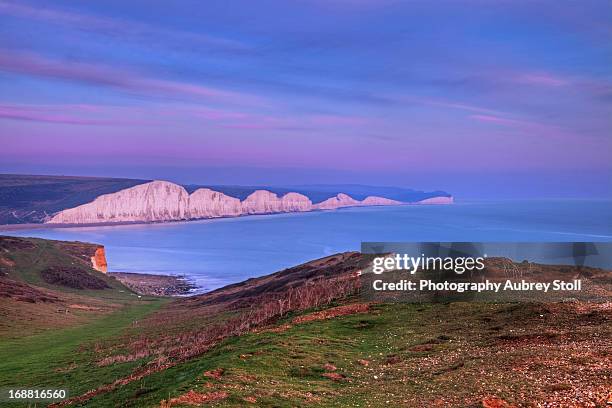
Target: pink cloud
column 461, row 106
column 542, row 79
column 86, row 114
column 264, row 122
column 75, row 114
column 236, row 119
column 217, row 114
column 114, row 27
column 123, row 80
column 497, row 119
column 38, row 115
column 337, row 120
column 528, row 127
column 254, row 121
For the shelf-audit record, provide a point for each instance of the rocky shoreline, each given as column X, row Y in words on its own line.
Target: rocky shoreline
column 155, row 285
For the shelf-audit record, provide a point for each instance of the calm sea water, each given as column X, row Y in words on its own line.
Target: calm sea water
column 217, row 252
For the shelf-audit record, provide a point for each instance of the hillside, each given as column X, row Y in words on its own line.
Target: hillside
column 303, row 337
column 48, row 284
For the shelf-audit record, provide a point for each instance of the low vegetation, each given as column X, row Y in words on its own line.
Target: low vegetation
column 71, row 277
column 300, row 337
column 51, row 285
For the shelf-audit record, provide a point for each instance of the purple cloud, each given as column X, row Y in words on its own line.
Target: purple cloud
column 301, row 122
column 117, row 28
column 78, row 114
column 497, row 119
column 127, row 81
column 460, row 106
column 84, row 114
column 533, row 129
column 543, row 79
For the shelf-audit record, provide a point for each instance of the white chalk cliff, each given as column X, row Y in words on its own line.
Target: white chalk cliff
column 373, row 200
column 165, row 201
column 437, row 200
column 266, row 202
column 295, row 202
column 154, row 201
column 206, row 203
column 341, row 200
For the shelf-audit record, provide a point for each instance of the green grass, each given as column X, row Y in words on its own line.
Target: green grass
column 285, row 369
column 30, row 263
column 416, row 354
column 66, row 357
column 278, row 369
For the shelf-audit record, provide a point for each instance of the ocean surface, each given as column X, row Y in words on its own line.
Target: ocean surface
column 217, row 252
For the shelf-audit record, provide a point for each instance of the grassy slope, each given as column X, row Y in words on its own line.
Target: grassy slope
column 62, row 358
column 52, row 344
column 29, row 262
column 418, row 355
column 23, row 260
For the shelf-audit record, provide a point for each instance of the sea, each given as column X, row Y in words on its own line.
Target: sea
column 216, row 252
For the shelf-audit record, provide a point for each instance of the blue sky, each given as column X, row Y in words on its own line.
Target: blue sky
column 480, row 98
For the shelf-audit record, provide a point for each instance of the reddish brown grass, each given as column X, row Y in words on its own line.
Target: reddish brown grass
column 175, row 349
column 216, row 374
column 333, row 312
column 335, row 377
column 494, row 402
column 194, row 398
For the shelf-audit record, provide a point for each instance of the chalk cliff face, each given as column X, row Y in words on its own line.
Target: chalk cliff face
column 266, row 202
column 437, row 200
column 296, row 202
column 261, row 202
column 165, row 201
column 341, row 200
column 344, row 200
column 373, row 200
column 206, row 203
column 154, row 201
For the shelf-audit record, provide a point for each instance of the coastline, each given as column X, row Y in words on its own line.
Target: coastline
column 156, row 285
column 31, row 226
column 42, row 225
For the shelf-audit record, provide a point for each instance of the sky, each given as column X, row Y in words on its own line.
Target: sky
column 482, row 99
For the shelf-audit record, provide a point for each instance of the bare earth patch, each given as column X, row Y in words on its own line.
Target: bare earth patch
column 333, row 312
column 494, row 402
column 6, row 262
column 84, row 307
column 335, row 377
column 216, row 374
column 194, row 398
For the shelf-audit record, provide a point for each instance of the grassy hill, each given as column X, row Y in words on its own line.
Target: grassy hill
column 46, row 285
column 301, row 337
